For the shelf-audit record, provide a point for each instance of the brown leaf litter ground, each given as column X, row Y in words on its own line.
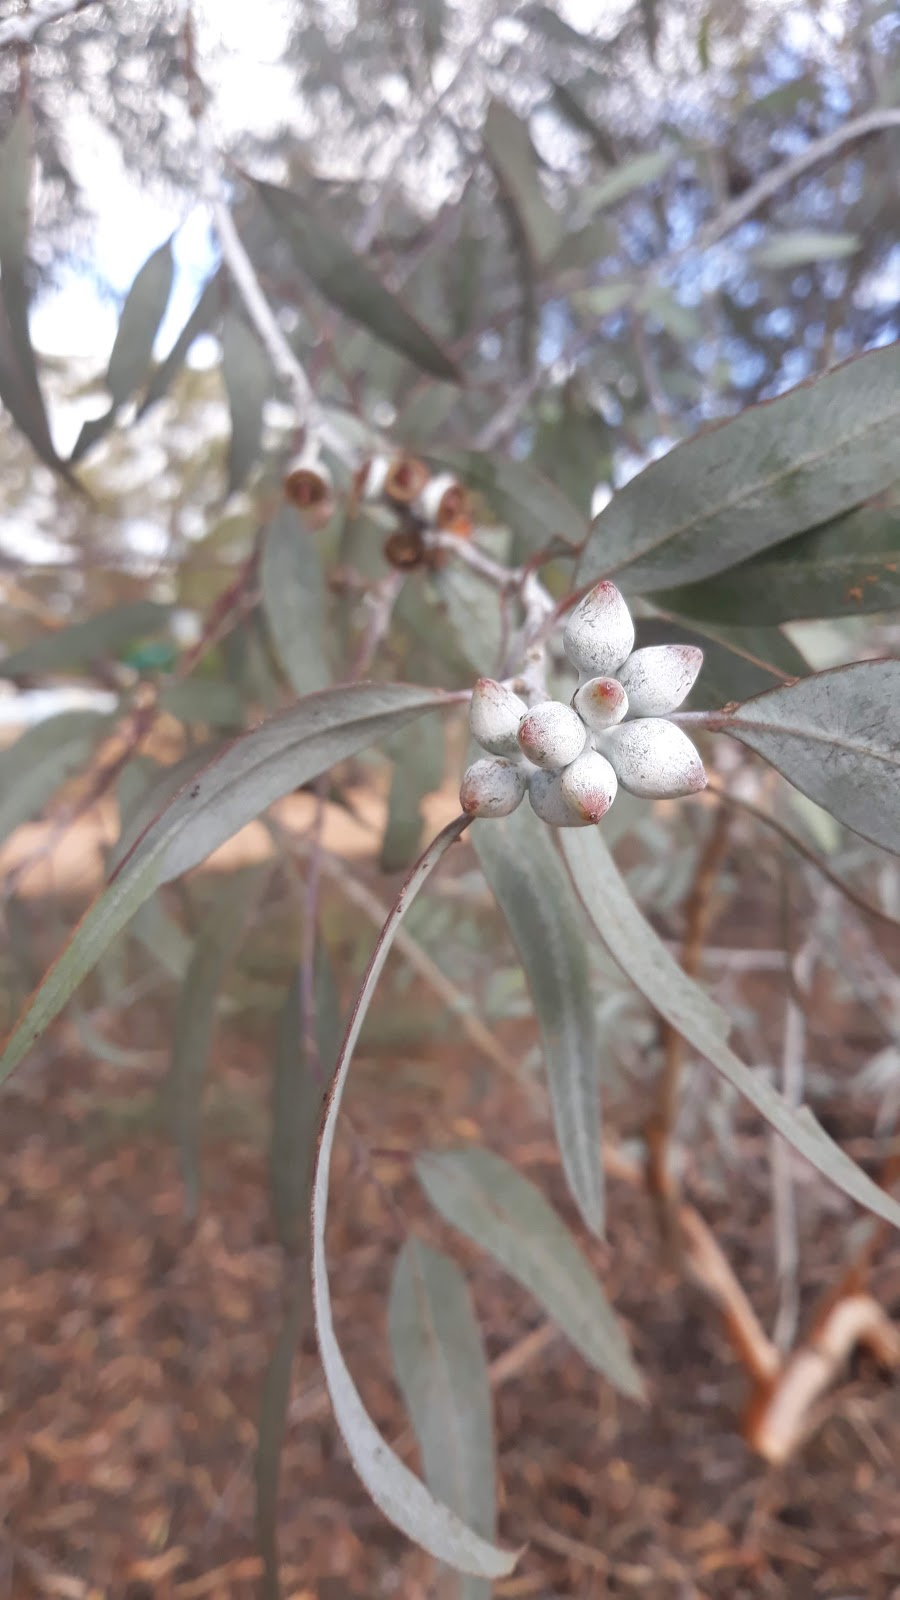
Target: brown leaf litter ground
column 134, row 1346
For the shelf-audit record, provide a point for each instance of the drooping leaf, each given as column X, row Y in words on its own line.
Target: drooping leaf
column 836, row 737
column 441, row 1369
column 41, row 760
column 799, row 248
column 846, row 567
column 519, row 496
column 166, row 941
column 402, row 1496
column 205, row 700
column 142, row 313
column 525, row 873
column 202, row 318
column 776, row 470
column 473, row 615
column 273, row 1417
column 645, row 959
column 625, row 179
column 418, row 754
column 512, row 157
column 345, row 280
column 299, row 1086
column 192, row 1034
column 295, row 600
column 505, row 1214
column 239, row 783
column 104, row 634
column 249, row 381
column 20, row 388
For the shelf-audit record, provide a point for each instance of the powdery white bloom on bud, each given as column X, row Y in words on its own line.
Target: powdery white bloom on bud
column 659, row 677
column 551, row 735
column 372, row 477
column 442, row 501
column 492, row 787
column 550, row 803
column 600, row 633
column 494, row 717
column 654, row 759
column 600, row 703
column 589, row 785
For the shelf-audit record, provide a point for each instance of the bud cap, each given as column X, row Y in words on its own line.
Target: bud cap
column 492, row 787
column 589, row 785
column 600, row 633
column 654, row 759
column 659, row 677
column 551, row 735
column 600, row 703
column 494, row 717
column 550, row 803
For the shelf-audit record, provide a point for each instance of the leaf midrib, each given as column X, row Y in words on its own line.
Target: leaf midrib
column 815, row 737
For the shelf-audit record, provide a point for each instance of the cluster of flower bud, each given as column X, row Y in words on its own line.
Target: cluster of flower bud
column 308, row 484
column 422, row 500
column 571, row 759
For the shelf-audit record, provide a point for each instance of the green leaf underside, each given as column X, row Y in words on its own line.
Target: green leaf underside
column 299, row 1085
column 142, row 313
column 442, row 1373
column 798, row 248
column 247, row 776
column 776, row 470
column 345, row 280
column 836, row 737
column 203, row 317
column 847, row 567
column 294, row 597
column 644, row 958
column 41, row 759
column 249, row 380
column 505, row 1214
column 526, row 876
column 511, row 154
column 402, row 1496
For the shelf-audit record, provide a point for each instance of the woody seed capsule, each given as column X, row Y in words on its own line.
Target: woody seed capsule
column 492, row 787
column 600, row 703
column 551, row 735
column 659, row 677
column 494, row 717
column 600, row 633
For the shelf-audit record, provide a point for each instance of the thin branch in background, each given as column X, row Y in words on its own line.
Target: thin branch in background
column 699, row 916
column 784, row 1209
column 25, row 29
column 380, row 600
column 309, row 1038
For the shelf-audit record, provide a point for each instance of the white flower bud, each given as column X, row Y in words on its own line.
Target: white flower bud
column 653, row 759
column 659, row 677
column 599, row 633
column 551, row 735
column 442, row 500
column 550, row 804
column 492, row 787
column 589, row 785
column 600, row 703
column 494, row 717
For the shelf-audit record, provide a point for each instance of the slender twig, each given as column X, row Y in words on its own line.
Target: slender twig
column 784, row 1208
column 308, row 933
column 701, row 907
column 24, row 29
column 380, row 600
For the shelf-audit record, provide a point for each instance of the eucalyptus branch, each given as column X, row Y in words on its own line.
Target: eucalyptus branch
column 25, row 29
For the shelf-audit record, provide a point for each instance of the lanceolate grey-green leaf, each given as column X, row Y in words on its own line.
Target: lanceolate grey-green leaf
column 836, row 737
column 249, row 379
column 642, row 955
column 515, row 164
column 345, row 280
column 442, row 1373
column 774, row 471
column 402, row 1496
column 101, row 635
column 295, row 601
column 505, row 1214
column 232, row 789
column 41, row 759
column 846, row 567
column 142, row 313
column 299, row 1085
column 523, row 868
